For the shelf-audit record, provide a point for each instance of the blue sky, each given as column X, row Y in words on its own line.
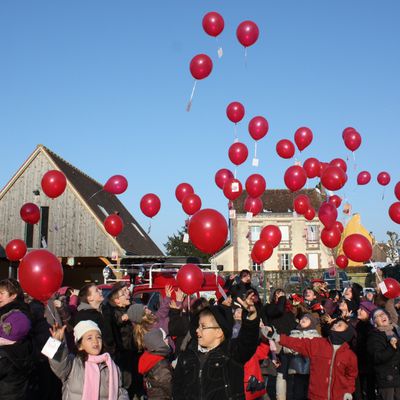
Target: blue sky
column 104, row 84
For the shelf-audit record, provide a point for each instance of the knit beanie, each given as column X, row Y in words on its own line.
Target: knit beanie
column 376, row 311
column 154, row 341
column 135, row 313
column 368, row 307
column 14, row 326
column 224, row 318
column 84, row 326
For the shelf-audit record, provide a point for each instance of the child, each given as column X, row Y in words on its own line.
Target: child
column 211, row 367
column 333, row 366
column 299, row 366
column 90, row 374
column 155, row 367
column 15, row 355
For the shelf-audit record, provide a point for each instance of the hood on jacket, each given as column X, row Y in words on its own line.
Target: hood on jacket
column 147, row 361
column 154, row 342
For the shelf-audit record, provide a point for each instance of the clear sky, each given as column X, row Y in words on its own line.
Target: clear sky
column 105, row 84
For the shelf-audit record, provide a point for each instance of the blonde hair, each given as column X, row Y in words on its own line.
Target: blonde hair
column 139, row 330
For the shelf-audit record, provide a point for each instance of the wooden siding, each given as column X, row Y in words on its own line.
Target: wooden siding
column 73, row 229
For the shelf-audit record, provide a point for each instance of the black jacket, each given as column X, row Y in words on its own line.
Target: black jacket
column 15, row 369
column 385, row 359
column 219, row 373
column 276, row 315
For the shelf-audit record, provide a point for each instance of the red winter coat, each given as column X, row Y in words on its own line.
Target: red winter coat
column 338, row 379
column 252, row 367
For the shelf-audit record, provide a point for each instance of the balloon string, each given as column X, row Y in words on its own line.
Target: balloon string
column 149, row 228
column 245, row 57
column 383, row 193
column 354, row 161
column 220, row 52
column 234, row 173
column 95, row 194
column 255, row 149
column 235, row 133
column 189, row 105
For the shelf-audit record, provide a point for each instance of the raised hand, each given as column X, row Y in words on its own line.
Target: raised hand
column 168, row 290
column 179, row 295
column 57, row 331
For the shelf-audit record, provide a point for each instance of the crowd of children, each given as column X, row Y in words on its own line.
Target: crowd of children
column 315, row 345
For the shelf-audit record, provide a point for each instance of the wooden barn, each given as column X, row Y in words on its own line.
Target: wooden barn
column 70, row 226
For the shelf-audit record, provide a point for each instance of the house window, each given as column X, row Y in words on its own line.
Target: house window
column 256, row 267
column 284, row 262
column 29, row 235
column 44, row 226
column 255, row 233
column 312, row 233
column 285, row 233
column 313, row 260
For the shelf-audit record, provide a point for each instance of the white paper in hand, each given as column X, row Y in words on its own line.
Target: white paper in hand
column 51, row 347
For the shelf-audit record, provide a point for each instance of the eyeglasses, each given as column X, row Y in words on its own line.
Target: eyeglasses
column 203, row 328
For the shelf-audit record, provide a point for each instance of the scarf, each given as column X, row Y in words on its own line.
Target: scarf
column 339, row 338
column 387, row 329
column 91, row 385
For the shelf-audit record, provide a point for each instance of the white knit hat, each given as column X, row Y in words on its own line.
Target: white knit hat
column 84, row 326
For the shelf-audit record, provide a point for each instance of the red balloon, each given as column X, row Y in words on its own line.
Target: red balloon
column 363, row 177
column 312, row 167
column 352, row 140
column 347, row 131
column 394, row 212
column 190, row 278
column 262, row 250
column 397, row 190
column 213, row 23
column 191, row 204
column 331, row 237
column 327, row 214
column 383, row 178
column 258, row 127
column 309, row 215
column 235, row 111
column 150, row 204
column 54, row 183
column 338, row 225
column 201, row 66
column 271, row 234
column 357, row 247
column 208, row 230
column 222, row 176
column 301, row 204
column 285, row 148
column 255, row 185
column 391, row 290
column 40, row 274
column 335, row 200
column 233, row 189
column 342, row 261
column 333, row 178
column 253, row 205
column 15, row 249
column 295, row 178
column 324, row 166
column 114, row 225
column 182, row 190
column 247, row 33
column 117, row 184
column 339, row 162
column 30, row 213
column 300, row 261
column 238, row 153
column 303, row 137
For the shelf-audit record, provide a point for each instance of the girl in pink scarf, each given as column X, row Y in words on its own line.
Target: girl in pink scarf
column 88, row 375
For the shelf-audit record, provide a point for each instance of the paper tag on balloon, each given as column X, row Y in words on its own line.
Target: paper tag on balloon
column 256, row 162
column 51, row 347
column 232, row 214
column 235, row 187
column 185, row 238
column 220, row 52
column 249, row 216
column 236, row 140
column 383, row 287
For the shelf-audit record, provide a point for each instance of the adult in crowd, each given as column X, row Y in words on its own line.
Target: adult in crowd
column 383, row 347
